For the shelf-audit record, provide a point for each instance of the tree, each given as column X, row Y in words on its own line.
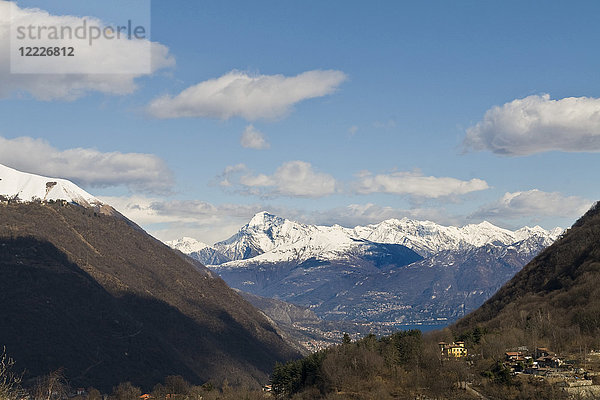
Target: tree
column 409, row 346
column 94, row 394
column 346, row 339
column 51, row 386
column 126, row 391
column 9, row 381
column 175, row 384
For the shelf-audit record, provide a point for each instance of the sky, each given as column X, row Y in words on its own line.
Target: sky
column 347, row 112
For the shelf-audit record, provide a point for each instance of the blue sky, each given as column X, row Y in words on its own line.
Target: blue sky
column 395, row 87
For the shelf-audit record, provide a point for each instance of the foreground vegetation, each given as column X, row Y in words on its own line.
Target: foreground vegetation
column 408, row 365
column 55, row 386
column 405, row 365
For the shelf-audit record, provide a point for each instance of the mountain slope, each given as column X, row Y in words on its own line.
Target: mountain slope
column 200, row 328
column 55, row 315
column 434, row 290
column 556, row 293
column 301, row 274
column 95, row 294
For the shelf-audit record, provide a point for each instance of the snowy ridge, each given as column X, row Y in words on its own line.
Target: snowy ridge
column 263, row 233
column 323, row 243
column 25, row 187
column 270, row 239
column 428, row 238
column 187, row 245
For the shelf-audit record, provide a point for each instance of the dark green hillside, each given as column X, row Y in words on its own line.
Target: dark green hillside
column 96, row 295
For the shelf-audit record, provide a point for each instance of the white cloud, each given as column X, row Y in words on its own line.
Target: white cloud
column 534, row 203
column 238, row 94
column 300, row 179
column 253, row 139
column 415, row 184
column 87, row 167
column 173, row 219
column 156, row 210
column 129, row 57
column 209, row 223
column 363, row 214
column 229, row 175
column 537, row 124
column 291, row 179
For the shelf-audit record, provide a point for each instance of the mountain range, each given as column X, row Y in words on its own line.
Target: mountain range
column 86, row 290
column 278, row 239
column 394, row 272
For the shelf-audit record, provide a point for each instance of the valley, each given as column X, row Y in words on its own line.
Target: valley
column 292, row 200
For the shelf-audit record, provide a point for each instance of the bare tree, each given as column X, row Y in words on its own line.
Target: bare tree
column 51, row 386
column 9, row 381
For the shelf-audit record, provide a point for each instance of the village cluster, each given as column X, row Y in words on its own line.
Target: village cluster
column 574, row 375
column 562, row 371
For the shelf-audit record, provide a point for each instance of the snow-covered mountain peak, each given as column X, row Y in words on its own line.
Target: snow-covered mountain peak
column 556, row 232
column 24, row 187
column 187, row 245
column 537, row 230
column 267, row 233
column 264, row 219
column 485, row 232
column 487, row 224
column 263, row 233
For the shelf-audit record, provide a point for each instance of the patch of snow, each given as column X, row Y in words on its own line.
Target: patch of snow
column 186, row 245
column 24, row 187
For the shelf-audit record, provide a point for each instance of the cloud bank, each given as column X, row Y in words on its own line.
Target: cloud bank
column 209, row 223
column 538, row 124
column 88, row 167
column 214, row 222
column 534, row 203
column 415, row 184
column 172, row 219
column 117, row 55
column 291, row 179
column 300, row 179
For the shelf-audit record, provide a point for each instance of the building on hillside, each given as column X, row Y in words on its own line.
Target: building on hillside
column 514, row 356
column 542, row 352
column 453, row 350
column 549, row 362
